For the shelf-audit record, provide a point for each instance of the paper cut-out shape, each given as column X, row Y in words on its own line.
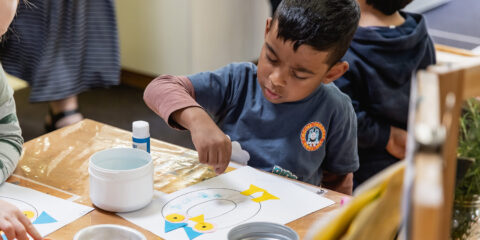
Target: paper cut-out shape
column 202, row 227
column 172, row 226
column 191, row 233
column 266, row 196
column 29, row 214
column 175, row 217
column 254, row 189
column 3, row 236
column 44, row 218
column 198, row 219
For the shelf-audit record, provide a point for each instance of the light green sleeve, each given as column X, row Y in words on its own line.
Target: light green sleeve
column 11, row 140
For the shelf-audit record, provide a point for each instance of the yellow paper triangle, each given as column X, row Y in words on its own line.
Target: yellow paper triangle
column 198, row 219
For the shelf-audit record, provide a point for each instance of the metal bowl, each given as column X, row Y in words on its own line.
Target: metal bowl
column 108, row 231
column 262, row 231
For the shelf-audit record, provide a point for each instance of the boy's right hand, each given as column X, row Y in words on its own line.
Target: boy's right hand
column 397, row 142
column 213, row 146
column 15, row 224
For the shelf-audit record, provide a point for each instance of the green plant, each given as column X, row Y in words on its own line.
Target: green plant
column 466, row 213
column 469, row 147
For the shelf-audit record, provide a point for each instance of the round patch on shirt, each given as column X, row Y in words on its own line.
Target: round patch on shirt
column 312, row 136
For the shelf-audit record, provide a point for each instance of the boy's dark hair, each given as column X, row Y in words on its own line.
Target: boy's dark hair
column 325, row 25
column 388, row 7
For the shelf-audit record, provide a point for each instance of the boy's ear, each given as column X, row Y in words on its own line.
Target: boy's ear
column 335, row 72
column 268, row 26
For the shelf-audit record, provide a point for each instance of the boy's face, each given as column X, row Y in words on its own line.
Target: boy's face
column 7, row 12
column 286, row 75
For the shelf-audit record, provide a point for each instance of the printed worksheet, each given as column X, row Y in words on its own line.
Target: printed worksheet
column 46, row 212
column 209, row 209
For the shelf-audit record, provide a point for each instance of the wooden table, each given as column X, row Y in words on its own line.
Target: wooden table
column 57, row 164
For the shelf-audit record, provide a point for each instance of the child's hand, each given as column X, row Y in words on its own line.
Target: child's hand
column 397, row 142
column 213, row 146
column 14, row 224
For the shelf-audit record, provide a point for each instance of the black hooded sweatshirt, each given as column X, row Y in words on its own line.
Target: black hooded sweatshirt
column 382, row 60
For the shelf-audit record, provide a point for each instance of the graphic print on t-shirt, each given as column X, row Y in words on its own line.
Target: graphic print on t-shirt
column 312, row 136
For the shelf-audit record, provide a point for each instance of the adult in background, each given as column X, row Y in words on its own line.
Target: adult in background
column 62, row 48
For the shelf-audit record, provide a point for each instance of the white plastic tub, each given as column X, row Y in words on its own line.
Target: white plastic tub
column 121, row 179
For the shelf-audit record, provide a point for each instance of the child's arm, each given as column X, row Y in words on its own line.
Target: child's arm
column 172, row 98
column 15, row 224
column 374, row 132
column 371, row 131
column 11, row 140
column 339, row 183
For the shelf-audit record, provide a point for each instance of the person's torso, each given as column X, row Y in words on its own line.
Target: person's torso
column 288, row 139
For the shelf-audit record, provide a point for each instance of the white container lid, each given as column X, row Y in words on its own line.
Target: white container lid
column 140, row 129
column 120, row 164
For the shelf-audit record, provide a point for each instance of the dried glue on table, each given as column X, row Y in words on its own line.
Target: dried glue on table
column 141, row 135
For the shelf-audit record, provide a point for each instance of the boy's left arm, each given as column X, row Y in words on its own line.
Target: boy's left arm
column 339, row 183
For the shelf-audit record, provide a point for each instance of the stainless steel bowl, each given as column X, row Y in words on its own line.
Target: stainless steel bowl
column 108, row 231
column 262, row 231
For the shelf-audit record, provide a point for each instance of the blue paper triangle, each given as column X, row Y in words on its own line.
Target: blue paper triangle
column 191, row 233
column 44, row 218
column 172, row 226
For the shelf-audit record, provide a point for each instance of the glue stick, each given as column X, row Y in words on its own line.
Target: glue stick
column 141, row 135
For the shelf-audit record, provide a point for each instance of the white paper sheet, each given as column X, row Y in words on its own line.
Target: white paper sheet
column 47, row 213
column 220, row 202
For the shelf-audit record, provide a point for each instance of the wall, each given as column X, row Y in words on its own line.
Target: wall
column 187, row 36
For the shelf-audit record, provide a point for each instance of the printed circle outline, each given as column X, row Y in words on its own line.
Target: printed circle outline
column 228, row 200
column 229, row 189
column 26, row 203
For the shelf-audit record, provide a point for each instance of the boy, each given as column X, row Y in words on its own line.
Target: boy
column 285, row 114
column 387, row 48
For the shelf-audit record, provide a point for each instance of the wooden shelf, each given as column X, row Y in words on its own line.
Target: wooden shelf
column 458, row 73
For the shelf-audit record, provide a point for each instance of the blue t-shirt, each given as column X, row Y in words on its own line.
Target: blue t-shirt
column 296, row 139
